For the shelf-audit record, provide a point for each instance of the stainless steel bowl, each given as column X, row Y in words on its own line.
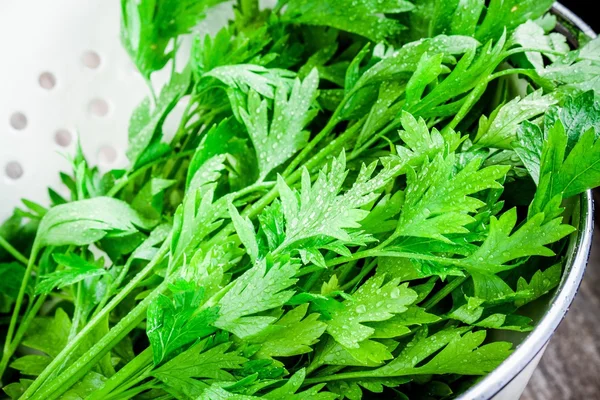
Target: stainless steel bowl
column 508, row 381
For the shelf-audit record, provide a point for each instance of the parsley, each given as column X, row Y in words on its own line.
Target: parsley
column 358, row 195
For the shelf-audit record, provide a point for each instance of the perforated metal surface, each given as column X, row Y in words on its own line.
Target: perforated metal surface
column 64, row 74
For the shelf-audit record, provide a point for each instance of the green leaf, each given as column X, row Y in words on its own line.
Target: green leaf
column 509, row 14
column 146, row 121
column 578, row 115
column 30, row 364
column 87, row 221
column 76, row 270
column 504, row 244
column 438, row 200
column 361, row 17
column 292, row 385
column 530, row 140
column 540, row 284
column 245, row 231
column 471, row 73
column 291, row 335
column 12, row 275
column 373, row 301
column 249, row 77
column 565, row 174
column 222, row 140
column 149, row 26
column 407, row 58
column 277, row 141
column 196, row 218
column 199, row 362
column 177, row 322
column 320, row 210
column 369, row 353
column 149, row 200
column 421, row 144
column 16, row 389
column 91, row 382
column 352, row 388
column 531, row 35
column 498, row 131
column 575, row 72
column 261, row 288
column 459, row 355
column 49, row 335
column 398, row 325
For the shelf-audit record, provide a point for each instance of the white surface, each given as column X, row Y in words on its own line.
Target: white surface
column 52, row 37
column 45, row 76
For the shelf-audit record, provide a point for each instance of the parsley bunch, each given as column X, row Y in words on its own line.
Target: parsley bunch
column 358, row 197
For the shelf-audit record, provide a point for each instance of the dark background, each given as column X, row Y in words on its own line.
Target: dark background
column 585, row 10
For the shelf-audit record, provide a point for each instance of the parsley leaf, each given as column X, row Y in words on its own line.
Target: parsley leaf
column 361, row 17
column 261, row 288
column 373, row 301
column 291, row 335
column 174, row 323
column 277, row 141
column 149, row 26
column 76, row 270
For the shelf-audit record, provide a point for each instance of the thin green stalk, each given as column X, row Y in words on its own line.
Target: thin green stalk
column 18, row 303
column 57, row 363
column 132, row 393
column 445, row 291
column 85, row 363
column 297, row 161
column 23, row 327
column 470, row 101
column 520, row 50
column 386, row 253
column 185, row 119
column 338, row 377
column 12, row 251
column 312, row 280
column 124, row 181
column 345, row 270
column 77, row 313
column 393, row 125
column 110, row 290
column 130, row 369
column 363, row 272
column 510, row 71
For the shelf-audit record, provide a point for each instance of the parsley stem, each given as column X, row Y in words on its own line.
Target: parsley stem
column 23, row 327
column 333, row 121
column 386, row 253
column 468, row 104
column 130, row 369
column 72, row 345
column 86, row 362
column 124, row 181
column 512, row 71
column 337, row 377
column 520, row 50
column 363, row 272
column 445, row 291
column 17, row 309
column 185, row 119
column 12, row 251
